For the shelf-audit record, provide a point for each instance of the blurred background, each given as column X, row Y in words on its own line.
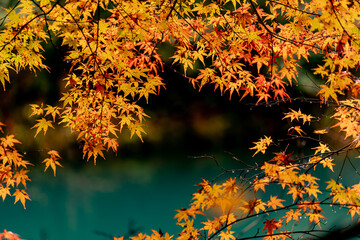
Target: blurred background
column 140, row 187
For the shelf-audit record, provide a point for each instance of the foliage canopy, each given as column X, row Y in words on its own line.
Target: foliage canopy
column 251, row 48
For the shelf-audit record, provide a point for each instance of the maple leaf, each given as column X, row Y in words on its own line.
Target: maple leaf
column 253, row 206
column 315, row 217
column 334, row 186
column 9, row 141
column 52, row 161
column 21, row 195
column 36, row 109
column 42, row 124
column 262, row 145
column 8, row 235
column 200, row 200
column 190, row 212
column 298, row 115
column 280, row 93
column 322, row 148
column 296, row 192
column 299, row 130
column 93, row 151
column 140, row 236
column 313, row 190
column 292, row 215
column 293, row 115
column 111, row 143
column 212, row 226
column 263, row 96
column 21, row 177
column 227, row 235
column 328, row 162
column 275, row 202
column 118, row 238
column 260, row 183
column 326, row 92
column 230, row 186
column 181, row 215
column 1, row 127
column 137, row 129
column 4, row 191
column 354, row 210
column 271, row 225
column 283, row 159
column 53, row 111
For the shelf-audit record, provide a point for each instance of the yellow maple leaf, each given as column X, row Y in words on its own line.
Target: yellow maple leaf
column 262, row 145
column 36, row 109
column 321, row 131
column 42, row 124
column 298, row 115
column 53, row 111
column 293, row 115
column 313, row 190
column 326, row 92
column 322, row 148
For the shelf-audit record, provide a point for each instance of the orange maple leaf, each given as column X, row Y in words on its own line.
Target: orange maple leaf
column 296, row 192
column 315, row 217
column 185, row 213
column 260, row 183
column 4, row 191
column 118, row 238
column 253, row 206
column 9, row 141
column 275, row 202
column 9, row 235
column 21, row 195
column 321, row 131
column 292, row 215
column 52, row 161
column 1, row 127
column 227, row 235
column 328, row 162
column 282, row 158
column 21, row 177
column 212, row 226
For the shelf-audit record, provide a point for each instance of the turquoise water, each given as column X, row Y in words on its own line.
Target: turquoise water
column 112, row 198
column 124, row 196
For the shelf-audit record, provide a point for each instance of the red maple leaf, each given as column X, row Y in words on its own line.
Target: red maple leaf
column 271, row 225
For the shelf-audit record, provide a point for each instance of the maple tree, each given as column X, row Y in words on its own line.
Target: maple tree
column 255, row 49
